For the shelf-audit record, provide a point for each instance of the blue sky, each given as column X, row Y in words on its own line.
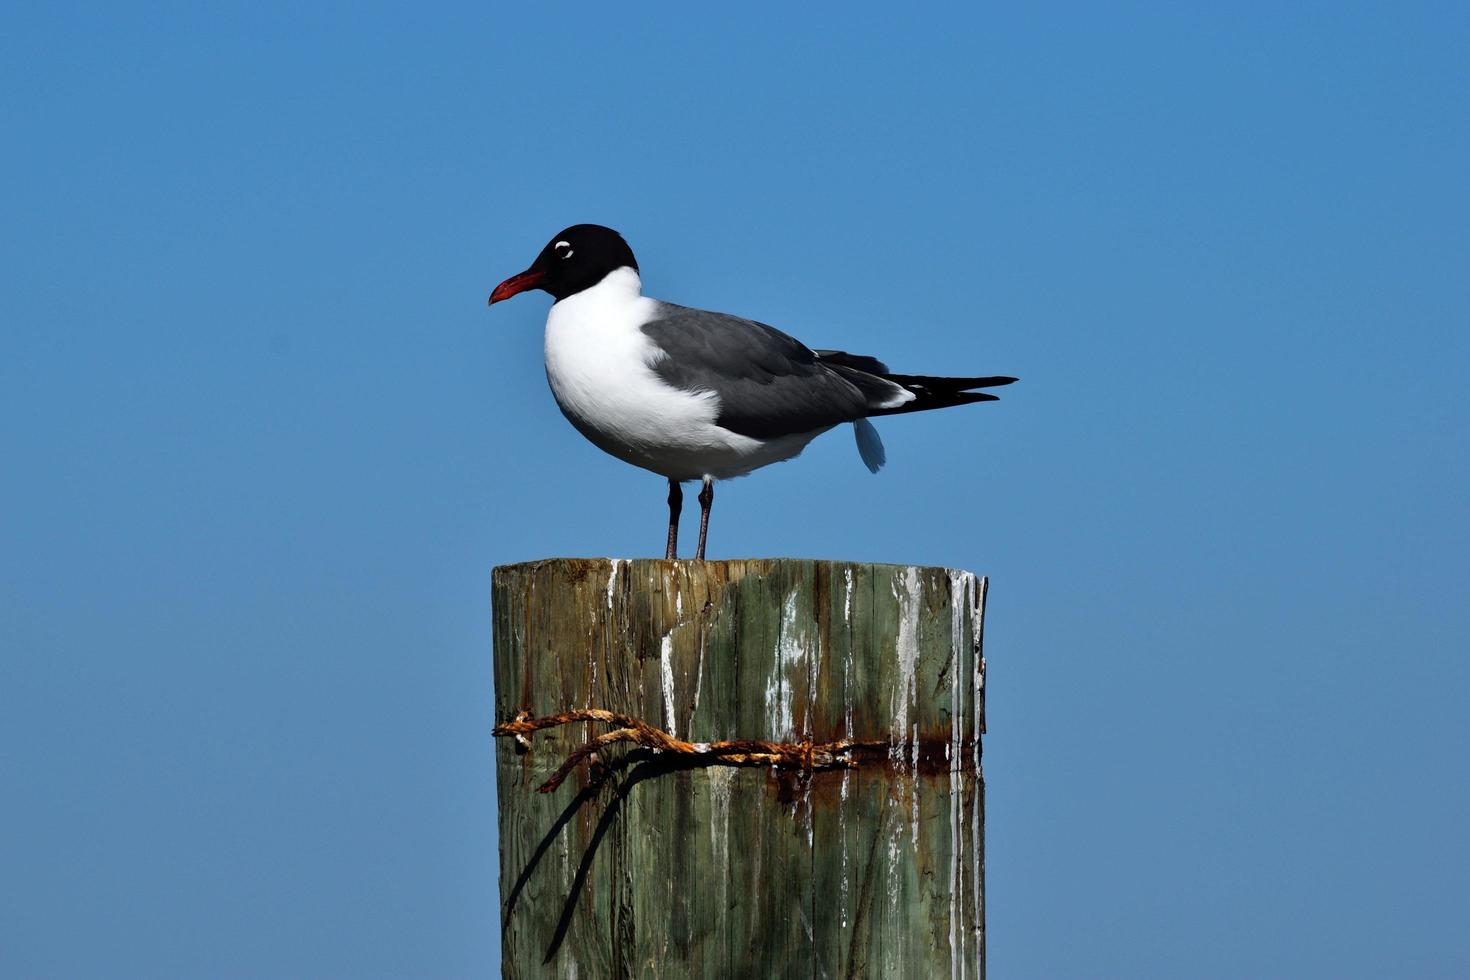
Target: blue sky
column 263, row 443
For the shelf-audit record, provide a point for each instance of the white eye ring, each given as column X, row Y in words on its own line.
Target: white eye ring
column 563, row 245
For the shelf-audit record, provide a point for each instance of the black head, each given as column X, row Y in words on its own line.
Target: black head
column 576, row 258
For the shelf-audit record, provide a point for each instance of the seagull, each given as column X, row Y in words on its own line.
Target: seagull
column 695, row 395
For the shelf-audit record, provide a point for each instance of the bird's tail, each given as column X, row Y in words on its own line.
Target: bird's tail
column 935, row 392
column 885, row 389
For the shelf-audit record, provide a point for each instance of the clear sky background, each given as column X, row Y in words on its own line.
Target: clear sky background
column 261, row 443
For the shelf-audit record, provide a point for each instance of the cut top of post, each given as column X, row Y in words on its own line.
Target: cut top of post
column 774, row 649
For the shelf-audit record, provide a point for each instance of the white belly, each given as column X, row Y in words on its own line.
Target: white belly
column 600, row 367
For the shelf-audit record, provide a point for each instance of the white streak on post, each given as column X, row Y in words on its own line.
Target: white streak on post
column 813, row 671
column 959, row 600
column 666, row 668
column 914, row 786
column 612, row 582
column 977, row 645
column 893, row 853
column 847, row 670
column 842, row 839
column 790, row 649
column 847, row 729
column 811, row 824
column 699, row 671
column 906, row 652
column 906, row 649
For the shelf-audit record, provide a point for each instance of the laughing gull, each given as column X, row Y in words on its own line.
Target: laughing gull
column 695, row 395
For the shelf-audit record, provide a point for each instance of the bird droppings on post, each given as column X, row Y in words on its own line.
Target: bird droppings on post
column 666, row 672
column 977, row 814
column 790, row 655
column 962, row 591
column 697, row 866
column 612, row 581
column 906, row 650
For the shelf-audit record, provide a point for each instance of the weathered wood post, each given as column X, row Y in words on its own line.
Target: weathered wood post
column 649, row 861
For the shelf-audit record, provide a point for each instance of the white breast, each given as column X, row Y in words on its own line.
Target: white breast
column 600, row 367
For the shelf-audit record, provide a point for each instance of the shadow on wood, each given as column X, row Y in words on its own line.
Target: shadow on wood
column 645, row 765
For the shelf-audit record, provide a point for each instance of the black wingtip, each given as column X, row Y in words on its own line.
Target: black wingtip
column 966, row 384
column 938, row 384
column 928, row 401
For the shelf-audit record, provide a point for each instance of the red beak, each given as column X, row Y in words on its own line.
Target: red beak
column 516, row 284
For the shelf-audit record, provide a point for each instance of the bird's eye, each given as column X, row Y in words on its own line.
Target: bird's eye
column 563, row 250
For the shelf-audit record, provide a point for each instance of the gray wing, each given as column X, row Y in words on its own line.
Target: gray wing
column 768, row 384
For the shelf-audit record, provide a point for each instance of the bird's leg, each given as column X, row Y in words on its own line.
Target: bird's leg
column 706, row 500
column 676, row 504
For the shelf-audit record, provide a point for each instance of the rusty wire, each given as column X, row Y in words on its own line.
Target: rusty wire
column 806, row 754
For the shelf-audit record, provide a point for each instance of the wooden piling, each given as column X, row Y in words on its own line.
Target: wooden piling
column 656, row 863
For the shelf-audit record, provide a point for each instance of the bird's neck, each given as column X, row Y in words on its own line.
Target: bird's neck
column 622, row 285
column 622, row 282
column 616, row 303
